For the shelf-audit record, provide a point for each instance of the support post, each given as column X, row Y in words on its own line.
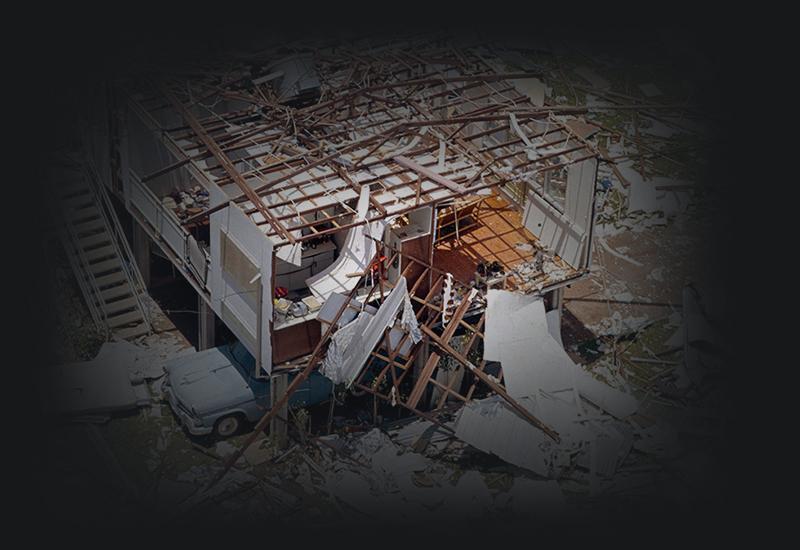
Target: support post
column 206, row 329
column 557, row 301
column 284, row 398
column 557, row 298
column 279, row 424
column 141, row 252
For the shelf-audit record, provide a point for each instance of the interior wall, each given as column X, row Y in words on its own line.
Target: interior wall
column 580, row 192
column 565, row 233
column 422, row 217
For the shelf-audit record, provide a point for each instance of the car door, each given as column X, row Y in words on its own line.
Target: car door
column 301, row 396
column 260, row 387
column 315, row 389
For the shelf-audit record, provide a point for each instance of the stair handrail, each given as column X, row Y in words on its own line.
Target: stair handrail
column 119, row 241
column 168, row 216
column 82, row 273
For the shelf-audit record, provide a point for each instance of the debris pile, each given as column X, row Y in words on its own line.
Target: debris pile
column 383, row 480
column 187, row 203
column 549, row 427
column 588, row 415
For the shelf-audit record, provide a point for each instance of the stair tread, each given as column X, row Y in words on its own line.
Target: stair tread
column 72, row 189
column 125, row 319
column 117, row 306
column 93, row 240
column 99, row 253
column 110, row 279
column 76, row 214
column 87, row 227
column 78, row 202
column 82, row 204
column 132, row 332
column 105, row 265
column 115, row 292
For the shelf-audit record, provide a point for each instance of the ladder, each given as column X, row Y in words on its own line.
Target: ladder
column 98, row 252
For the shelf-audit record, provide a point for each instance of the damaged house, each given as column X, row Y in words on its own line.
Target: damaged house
column 403, row 219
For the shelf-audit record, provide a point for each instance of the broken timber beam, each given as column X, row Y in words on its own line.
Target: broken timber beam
column 357, row 188
column 296, row 172
column 497, row 388
column 429, row 174
column 433, row 358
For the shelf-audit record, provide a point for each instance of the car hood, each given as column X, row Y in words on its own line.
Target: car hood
column 207, row 381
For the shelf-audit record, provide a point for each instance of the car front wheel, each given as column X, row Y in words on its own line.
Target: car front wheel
column 227, row 425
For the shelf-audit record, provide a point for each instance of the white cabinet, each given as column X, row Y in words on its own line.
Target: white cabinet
column 400, row 239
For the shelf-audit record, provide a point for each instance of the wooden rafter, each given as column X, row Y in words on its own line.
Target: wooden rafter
column 226, row 164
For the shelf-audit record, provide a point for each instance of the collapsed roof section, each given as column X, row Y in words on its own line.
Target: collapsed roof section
column 418, row 125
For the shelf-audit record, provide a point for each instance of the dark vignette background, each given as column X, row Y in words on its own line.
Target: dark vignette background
column 65, row 54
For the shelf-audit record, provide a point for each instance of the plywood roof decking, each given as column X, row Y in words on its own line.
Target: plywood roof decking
column 375, row 105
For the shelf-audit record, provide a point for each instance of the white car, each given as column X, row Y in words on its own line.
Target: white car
column 215, row 391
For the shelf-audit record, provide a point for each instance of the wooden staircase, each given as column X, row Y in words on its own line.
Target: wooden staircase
column 98, row 252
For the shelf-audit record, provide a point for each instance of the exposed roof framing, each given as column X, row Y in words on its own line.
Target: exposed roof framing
column 419, row 124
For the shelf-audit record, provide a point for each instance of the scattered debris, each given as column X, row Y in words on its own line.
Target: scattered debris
column 414, row 307
column 111, row 382
column 187, row 203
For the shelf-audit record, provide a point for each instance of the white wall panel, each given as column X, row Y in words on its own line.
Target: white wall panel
column 565, row 234
column 234, row 293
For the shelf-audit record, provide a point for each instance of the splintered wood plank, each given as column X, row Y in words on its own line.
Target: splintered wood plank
column 422, row 381
column 429, row 174
column 433, row 359
column 448, row 390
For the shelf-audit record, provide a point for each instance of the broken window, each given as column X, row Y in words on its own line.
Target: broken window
column 554, row 187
